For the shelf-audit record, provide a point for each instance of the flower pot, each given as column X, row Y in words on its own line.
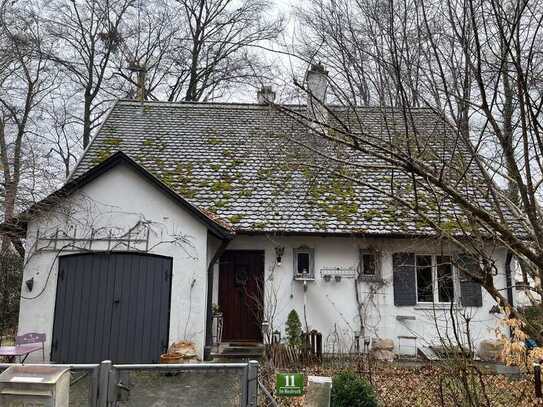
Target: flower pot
column 171, row 358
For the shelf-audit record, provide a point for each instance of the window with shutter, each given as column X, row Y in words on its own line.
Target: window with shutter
column 470, row 290
column 404, row 279
column 425, row 278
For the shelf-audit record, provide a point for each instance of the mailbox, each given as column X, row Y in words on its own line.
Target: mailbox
column 34, row 386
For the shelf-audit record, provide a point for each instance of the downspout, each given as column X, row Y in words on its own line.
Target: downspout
column 209, row 305
column 508, row 282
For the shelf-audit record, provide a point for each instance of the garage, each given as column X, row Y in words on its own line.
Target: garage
column 112, row 306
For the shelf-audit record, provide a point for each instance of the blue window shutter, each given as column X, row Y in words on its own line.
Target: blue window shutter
column 470, row 291
column 404, row 279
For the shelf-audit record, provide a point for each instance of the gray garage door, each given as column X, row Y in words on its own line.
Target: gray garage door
column 112, row 307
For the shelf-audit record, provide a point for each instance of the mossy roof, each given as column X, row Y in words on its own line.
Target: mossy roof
column 245, row 163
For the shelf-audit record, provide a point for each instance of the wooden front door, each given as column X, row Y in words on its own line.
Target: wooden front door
column 241, row 286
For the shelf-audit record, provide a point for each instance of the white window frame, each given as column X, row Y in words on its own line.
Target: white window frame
column 310, row 276
column 370, row 277
column 435, row 288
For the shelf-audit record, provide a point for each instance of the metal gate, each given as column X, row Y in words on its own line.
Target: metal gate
column 112, row 306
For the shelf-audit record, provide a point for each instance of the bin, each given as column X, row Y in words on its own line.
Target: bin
column 34, row 386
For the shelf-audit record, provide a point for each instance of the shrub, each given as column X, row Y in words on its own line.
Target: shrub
column 352, row 390
column 11, row 272
column 294, row 329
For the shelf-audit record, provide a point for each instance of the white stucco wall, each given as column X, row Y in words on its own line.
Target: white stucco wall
column 117, row 201
column 331, row 306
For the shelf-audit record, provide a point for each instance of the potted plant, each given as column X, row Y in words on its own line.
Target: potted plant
column 216, row 309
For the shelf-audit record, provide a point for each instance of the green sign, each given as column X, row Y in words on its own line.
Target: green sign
column 289, row 384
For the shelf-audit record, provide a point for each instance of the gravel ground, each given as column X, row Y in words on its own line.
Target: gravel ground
column 150, row 389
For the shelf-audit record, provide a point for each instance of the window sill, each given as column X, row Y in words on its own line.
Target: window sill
column 437, row 307
column 371, row 279
column 304, row 278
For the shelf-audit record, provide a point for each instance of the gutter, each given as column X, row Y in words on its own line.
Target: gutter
column 509, row 284
column 209, row 306
column 508, row 279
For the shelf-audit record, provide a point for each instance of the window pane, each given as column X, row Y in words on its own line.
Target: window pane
column 445, row 284
column 368, row 264
column 424, row 279
column 303, row 263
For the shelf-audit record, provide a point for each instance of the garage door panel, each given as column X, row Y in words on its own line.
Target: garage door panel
column 101, row 308
column 84, row 307
column 111, row 306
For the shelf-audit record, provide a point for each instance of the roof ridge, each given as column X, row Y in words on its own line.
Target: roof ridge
column 257, row 105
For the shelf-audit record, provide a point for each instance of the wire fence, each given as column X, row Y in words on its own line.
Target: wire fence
column 415, row 383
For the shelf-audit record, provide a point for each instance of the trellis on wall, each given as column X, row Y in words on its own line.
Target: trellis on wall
column 105, row 239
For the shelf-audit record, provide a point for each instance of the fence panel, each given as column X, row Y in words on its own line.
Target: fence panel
column 185, row 384
column 213, row 384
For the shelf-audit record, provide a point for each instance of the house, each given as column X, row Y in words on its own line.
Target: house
column 176, row 209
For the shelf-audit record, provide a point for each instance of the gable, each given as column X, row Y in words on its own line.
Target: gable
column 123, row 184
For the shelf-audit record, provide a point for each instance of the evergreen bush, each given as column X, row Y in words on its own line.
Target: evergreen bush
column 352, row 390
column 294, row 329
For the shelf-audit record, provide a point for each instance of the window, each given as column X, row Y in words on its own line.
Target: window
column 424, row 279
column 369, row 265
column 304, row 263
column 445, row 279
column 435, row 279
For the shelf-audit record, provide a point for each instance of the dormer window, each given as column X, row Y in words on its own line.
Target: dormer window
column 304, row 263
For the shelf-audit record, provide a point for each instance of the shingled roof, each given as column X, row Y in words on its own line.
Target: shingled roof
column 243, row 163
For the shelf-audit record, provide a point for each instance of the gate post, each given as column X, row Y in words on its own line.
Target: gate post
column 93, row 386
column 103, row 383
column 252, row 383
column 537, row 380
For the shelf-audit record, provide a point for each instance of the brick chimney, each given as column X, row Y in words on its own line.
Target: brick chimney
column 316, row 82
column 265, row 95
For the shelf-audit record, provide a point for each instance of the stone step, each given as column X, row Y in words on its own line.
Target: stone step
column 238, row 351
column 244, row 355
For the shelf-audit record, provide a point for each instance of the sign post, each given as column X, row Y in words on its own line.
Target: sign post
column 289, row 384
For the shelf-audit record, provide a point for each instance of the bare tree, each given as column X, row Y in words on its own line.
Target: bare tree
column 214, row 53
column 25, row 80
column 89, row 33
column 150, row 31
column 477, row 65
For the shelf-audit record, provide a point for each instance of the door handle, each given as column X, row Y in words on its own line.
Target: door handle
column 116, row 301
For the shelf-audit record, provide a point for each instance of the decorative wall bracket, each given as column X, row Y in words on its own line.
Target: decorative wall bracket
column 337, row 273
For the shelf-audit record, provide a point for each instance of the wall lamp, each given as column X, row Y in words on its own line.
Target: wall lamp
column 279, row 252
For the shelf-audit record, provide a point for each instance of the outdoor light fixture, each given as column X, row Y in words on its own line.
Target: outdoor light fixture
column 279, row 251
column 30, row 283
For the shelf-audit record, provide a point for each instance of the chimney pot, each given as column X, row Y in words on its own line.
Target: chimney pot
column 316, row 81
column 265, row 95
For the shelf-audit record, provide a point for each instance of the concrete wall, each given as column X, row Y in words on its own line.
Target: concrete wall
column 330, row 307
column 115, row 202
